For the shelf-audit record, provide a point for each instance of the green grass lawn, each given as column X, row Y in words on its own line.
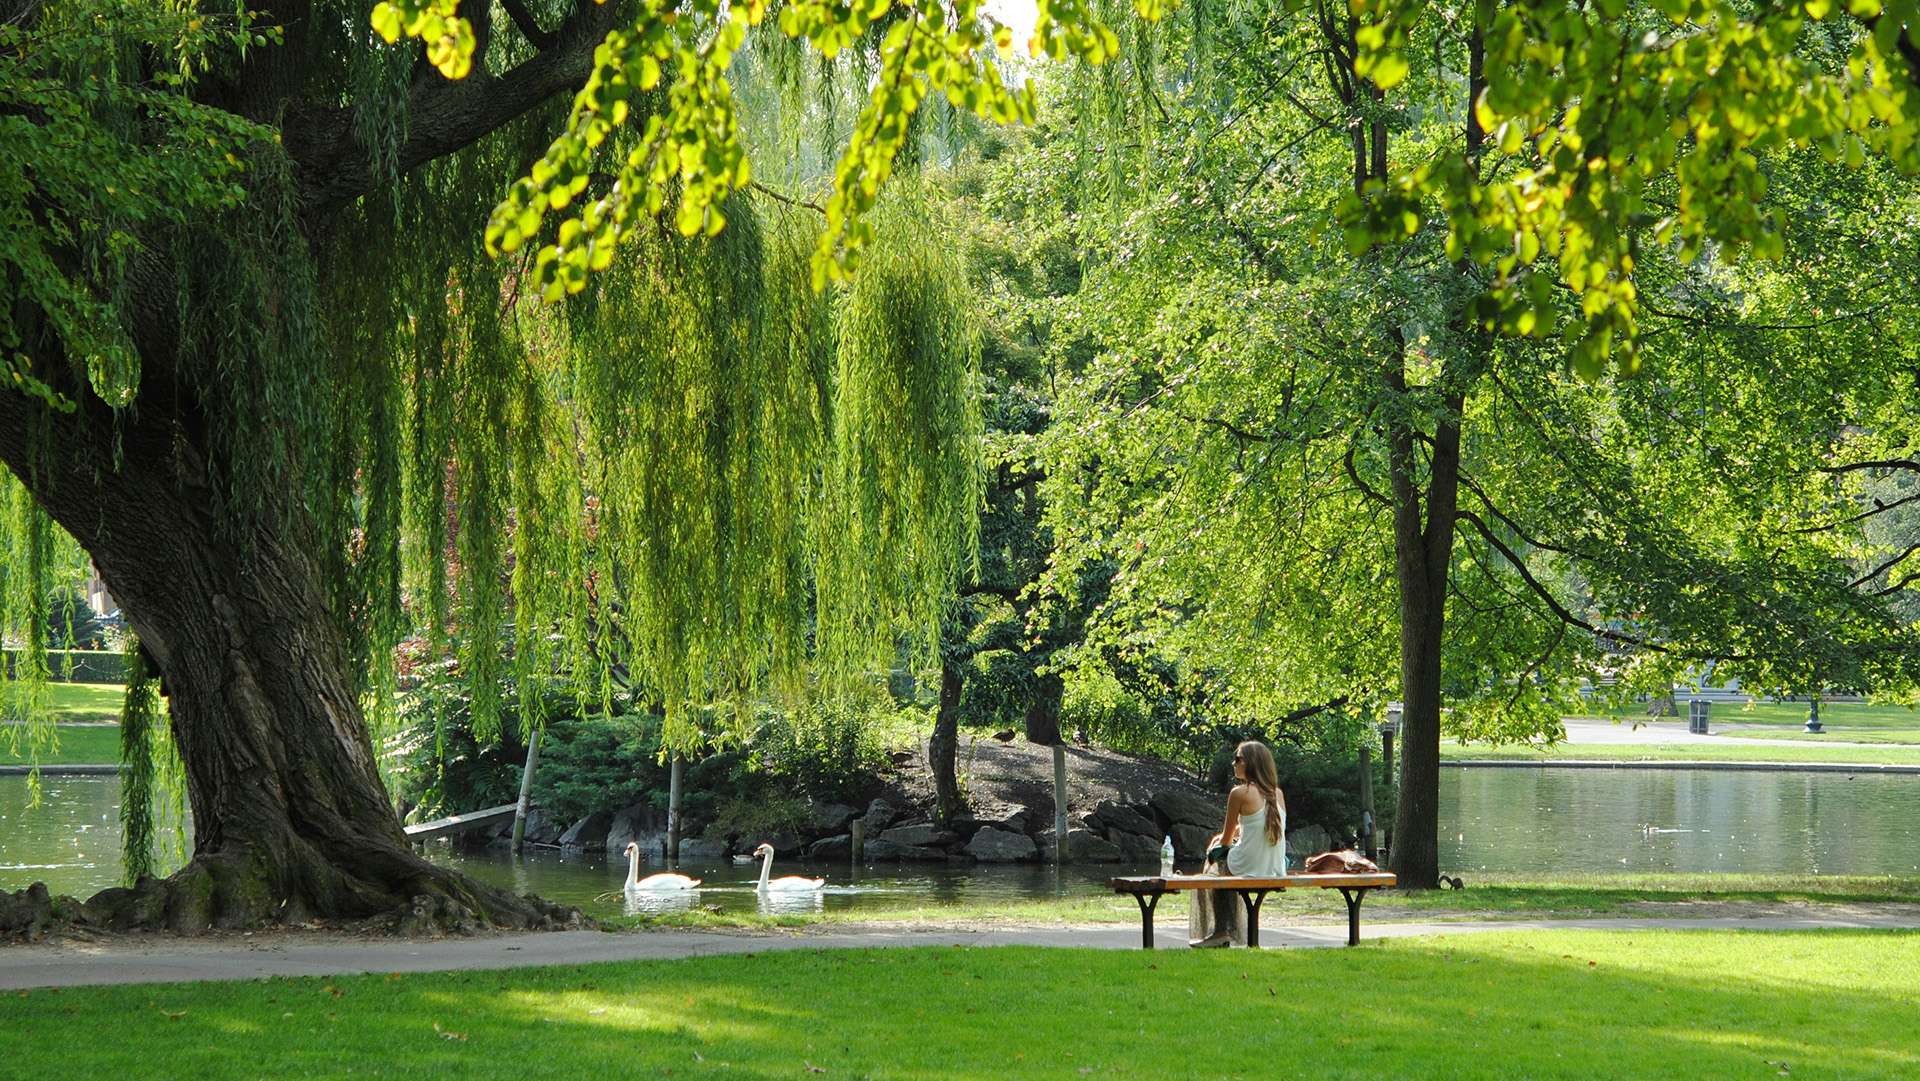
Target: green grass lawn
column 1569, row 1005
column 1859, row 722
column 1845, row 722
column 77, row 744
column 1485, row 896
column 1885, row 754
column 74, row 703
column 75, row 707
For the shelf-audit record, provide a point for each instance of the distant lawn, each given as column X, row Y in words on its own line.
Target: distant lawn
column 1845, row 722
column 1487, row 895
column 75, row 703
column 1788, row 751
column 84, row 744
column 1859, row 722
column 1573, row 1005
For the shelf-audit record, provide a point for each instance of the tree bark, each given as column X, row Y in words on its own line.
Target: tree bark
column 291, row 820
column 943, row 746
column 1423, row 550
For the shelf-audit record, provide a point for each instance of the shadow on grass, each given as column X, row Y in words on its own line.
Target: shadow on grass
column 1564, row 1005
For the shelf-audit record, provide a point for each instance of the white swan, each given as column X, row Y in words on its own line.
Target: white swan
column 785, row 884
column 636, row 884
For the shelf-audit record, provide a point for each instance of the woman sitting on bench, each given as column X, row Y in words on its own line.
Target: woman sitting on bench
column 1252, row 841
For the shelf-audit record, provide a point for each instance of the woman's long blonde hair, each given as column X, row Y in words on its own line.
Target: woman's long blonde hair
column 1265, row 780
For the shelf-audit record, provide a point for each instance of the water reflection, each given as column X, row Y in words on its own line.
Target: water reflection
column 1679, row 821
column 791, row 902
column 658, row 902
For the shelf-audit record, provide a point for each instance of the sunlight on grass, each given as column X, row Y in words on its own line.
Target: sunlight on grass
column 1556, row 1005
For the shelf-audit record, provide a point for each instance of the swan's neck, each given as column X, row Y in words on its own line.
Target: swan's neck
column 766, row 869
column 633, row 867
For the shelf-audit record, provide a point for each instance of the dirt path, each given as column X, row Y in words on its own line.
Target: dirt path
column 161, row 960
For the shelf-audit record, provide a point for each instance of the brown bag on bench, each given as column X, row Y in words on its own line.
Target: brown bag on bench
column 1344, row 862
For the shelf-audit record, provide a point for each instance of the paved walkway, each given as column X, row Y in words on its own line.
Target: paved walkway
column 179, row 961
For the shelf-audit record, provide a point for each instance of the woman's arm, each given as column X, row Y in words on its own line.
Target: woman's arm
column 1232, row 823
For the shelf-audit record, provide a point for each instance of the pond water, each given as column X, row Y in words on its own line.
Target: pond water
column 1707, row 821
column 1516, row 820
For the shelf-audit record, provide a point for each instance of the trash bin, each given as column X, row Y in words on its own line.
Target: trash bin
column 1697, row 716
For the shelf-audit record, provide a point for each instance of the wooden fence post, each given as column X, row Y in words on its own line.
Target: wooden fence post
column 526, row 789
column 673, row 810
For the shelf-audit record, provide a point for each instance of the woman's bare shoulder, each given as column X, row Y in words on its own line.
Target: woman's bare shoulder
column 1244, row 797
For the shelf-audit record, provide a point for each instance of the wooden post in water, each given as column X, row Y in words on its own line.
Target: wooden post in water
column 859, row 840
column 526, row 790
column 1060, row 803
column 1369, row 831
column 673, row 810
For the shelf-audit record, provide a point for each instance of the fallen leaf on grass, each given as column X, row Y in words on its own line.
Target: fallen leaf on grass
column 596, row 1011
column 174, row 1016
column 811, row 1068
column 334, row 991
column 447, row 1034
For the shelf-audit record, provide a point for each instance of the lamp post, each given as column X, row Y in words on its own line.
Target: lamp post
column 1389, row 730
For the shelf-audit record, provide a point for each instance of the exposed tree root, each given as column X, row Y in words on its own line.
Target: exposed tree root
column 228, row 893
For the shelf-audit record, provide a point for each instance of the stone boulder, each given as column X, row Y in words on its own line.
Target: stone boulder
column 880, row 814
column 1109, row 816
column 919, row 834
column 542, row 828
column 1083, row 846
column 785, row 845
column 1086, row 846
column 831, row 848
column 1137, row 848
column 991, row 845
column 1306, row 841
column 830, row 818
column 1179, row 805
column 639, row 824
column 700, row 848
column 589, row 834
column 887, row 851
column 1189, row 842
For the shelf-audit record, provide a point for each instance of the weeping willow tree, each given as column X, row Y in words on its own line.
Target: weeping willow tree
column 263, row 369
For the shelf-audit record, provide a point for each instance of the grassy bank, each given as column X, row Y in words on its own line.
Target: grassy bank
column 77, row 744
column 1485, row 896
column 78, row 710
column 1553, row 1005
column 1787, row 751
column 1858, row 722
column 79, row 703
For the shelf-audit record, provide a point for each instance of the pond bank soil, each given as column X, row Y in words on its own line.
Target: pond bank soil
column 286, row 953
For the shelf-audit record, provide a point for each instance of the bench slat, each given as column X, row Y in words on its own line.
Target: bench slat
column 1178, row 883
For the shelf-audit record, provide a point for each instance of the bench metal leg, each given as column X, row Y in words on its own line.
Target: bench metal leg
column 1354, row 896
column 1147, row 902
column 1251, row 901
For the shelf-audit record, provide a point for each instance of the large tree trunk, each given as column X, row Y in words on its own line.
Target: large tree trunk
column 1423, row 550
column 943, row 746
column 291, row 820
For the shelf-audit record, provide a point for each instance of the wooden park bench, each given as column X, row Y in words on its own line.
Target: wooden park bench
column 1146, row 893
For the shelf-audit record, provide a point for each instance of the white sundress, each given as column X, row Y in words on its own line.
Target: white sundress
column 1251, row 855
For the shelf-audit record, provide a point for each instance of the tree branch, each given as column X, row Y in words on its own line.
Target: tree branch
column 1885, row 567
column 1884, row 463
column 1881, row 508
column 443, row 117
column 1553, row 604
column 522, row 18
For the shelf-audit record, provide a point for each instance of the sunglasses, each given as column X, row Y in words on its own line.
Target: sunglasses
column 1237, row 758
